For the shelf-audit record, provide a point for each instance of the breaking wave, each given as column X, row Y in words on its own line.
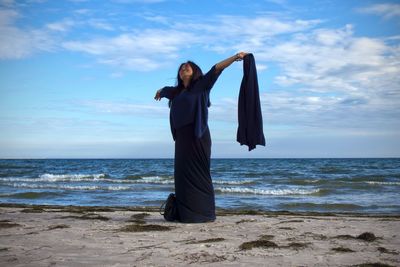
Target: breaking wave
column 274, row 192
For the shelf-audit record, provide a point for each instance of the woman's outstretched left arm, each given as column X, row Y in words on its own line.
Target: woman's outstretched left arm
column 227, row 62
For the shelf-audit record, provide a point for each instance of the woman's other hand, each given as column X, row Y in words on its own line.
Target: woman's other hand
column 158, row 95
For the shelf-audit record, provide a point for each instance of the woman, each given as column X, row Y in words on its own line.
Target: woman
column 189, row 102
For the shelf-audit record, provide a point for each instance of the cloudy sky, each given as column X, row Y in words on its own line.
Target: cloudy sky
column 77, row 77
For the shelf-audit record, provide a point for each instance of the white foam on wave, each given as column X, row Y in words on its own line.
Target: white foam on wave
column 52, row 178
column 155, row 180
column 48, row 177
column 312, row 181
column 36, row 180
column 275, row 192
column 383, row 183
column 236, row 182
column 70, row 187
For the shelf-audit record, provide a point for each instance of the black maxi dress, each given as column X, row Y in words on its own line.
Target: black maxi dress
column 189, row 125
column 193, row 185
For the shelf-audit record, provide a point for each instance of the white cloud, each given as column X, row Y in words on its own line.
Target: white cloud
column 241, row 33
column 287, row 113
column 124, row 108
column 142, row 51
column 334, row 61
column 100, row 24
column 146, row 49
column 68, row 24
column 83, row 11
column 158, row 46
column 329, row 81
column 261, row 67
column 157, row 18
column 19, row 43
column 7, row 17
column 387, row 10
column 62, row 26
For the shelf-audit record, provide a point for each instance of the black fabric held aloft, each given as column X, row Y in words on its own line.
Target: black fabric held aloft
column 250, row 129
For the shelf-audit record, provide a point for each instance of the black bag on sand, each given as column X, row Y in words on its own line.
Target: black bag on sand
column 168, row 208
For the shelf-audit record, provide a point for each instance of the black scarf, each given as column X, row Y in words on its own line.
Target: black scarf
column 250, row 129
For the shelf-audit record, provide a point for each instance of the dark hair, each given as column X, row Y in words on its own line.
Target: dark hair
column 197, row 74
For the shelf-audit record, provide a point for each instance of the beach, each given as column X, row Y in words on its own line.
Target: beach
column 108, row 236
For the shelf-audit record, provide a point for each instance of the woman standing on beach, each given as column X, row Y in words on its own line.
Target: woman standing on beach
column 189, row 102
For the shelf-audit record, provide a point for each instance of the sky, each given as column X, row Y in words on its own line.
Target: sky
column 78, row 77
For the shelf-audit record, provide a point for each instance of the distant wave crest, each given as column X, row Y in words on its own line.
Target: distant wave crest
column 70, row 187
column 382, row 183
column 48, row 177
column 275, row 192
column 54, row 178
column 236, row 182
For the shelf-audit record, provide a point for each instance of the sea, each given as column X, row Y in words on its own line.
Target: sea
column 348, row 185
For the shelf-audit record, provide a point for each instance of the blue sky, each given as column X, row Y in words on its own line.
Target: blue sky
column 77, row 78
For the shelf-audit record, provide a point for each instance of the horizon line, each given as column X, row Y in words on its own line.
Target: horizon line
column 157, row 158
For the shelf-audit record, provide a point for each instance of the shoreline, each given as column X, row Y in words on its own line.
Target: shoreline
column 44, row 235
column 219, row 211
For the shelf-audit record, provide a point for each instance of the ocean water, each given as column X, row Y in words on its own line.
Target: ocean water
column 323, row 185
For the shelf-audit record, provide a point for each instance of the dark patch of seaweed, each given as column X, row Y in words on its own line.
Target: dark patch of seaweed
column 342, row 249
column 4, row 225
column 144, row 228
column 88, row 216
column 139, row 218
column 58, row 226
column 257, row 244
column 210, row 240
column 366, row 236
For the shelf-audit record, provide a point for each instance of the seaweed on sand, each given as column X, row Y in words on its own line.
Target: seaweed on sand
column 266, row 237
column 258, row 243
column 33, row 209
column 139, row 218
column 342, row 249
column 58, row 226
column 366, row 236
column 8, row 225
column 297, row 245
column 144, row 228
column 88, row 216
column 210, row 240
column 246, row 220
column 385, row 250
column 291, row 221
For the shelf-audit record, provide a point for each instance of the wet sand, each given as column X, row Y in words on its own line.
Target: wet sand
column 90, row 236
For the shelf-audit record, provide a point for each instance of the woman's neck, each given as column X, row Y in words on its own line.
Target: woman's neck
column 186, row 82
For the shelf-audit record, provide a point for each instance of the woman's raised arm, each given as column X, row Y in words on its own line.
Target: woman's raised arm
column 227, row 62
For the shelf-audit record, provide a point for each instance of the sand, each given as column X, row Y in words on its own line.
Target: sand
column 74, row 236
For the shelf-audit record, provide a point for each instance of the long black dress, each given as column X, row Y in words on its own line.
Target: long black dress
column 189, row 125
column 193, row 185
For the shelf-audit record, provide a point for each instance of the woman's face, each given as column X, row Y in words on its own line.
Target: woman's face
column 185, row 71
